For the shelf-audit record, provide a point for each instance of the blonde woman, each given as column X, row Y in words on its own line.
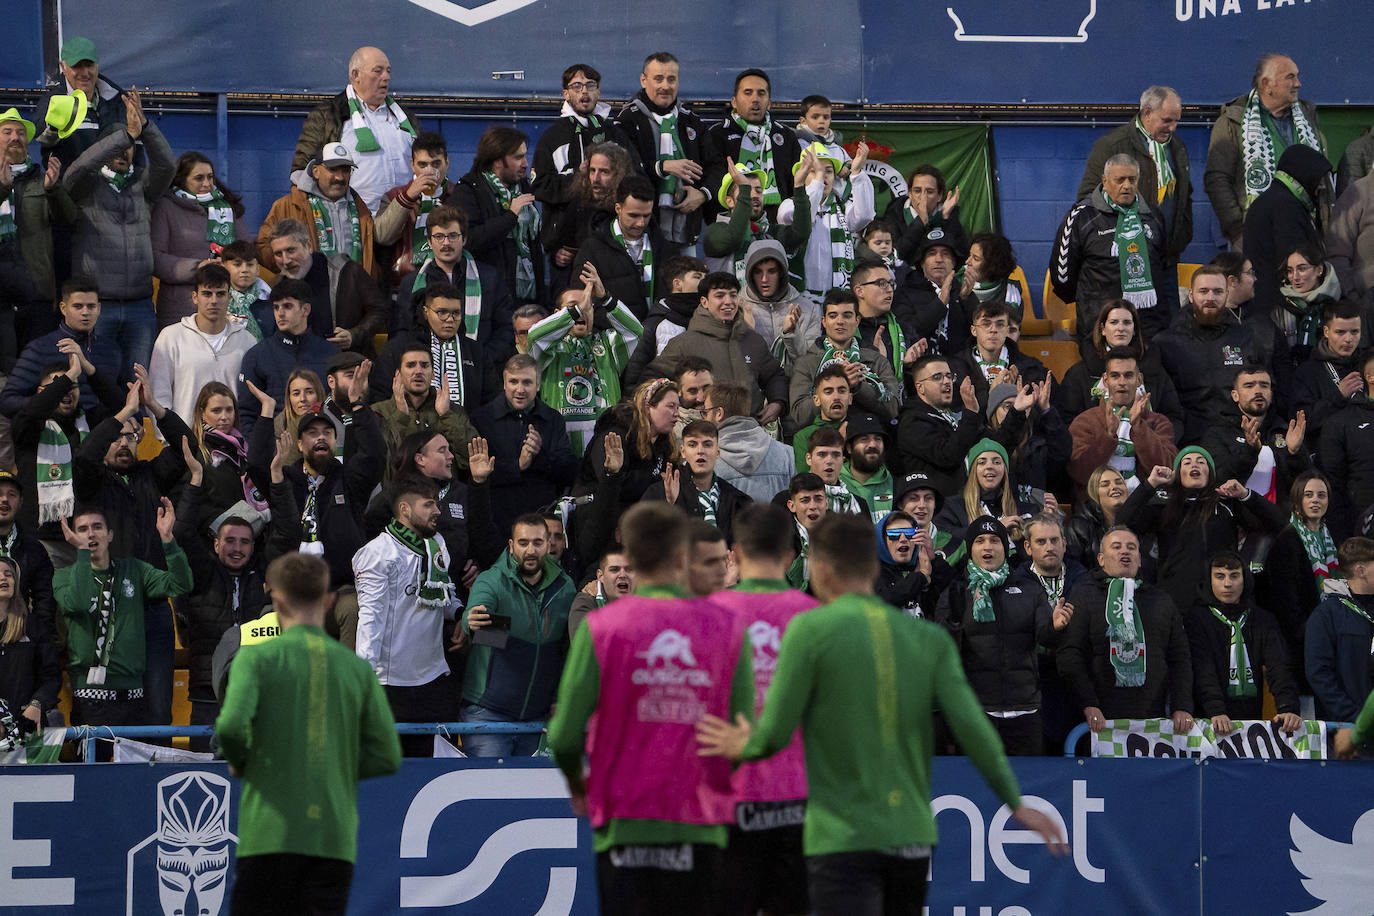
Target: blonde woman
column 30, row 674
column 304, row 390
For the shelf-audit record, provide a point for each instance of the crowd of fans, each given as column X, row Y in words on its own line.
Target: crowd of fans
column 451, row 390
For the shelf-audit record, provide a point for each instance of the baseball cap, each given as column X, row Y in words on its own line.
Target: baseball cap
column 345, row 360
column 12, row 478
column 332, row 154
column 918, row 480
column 311, row 417
column 936, row 237
column 76, row 49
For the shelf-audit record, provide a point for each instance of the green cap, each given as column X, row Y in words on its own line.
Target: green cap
column 1195, row 450
column 985, row 445
column 76, row 49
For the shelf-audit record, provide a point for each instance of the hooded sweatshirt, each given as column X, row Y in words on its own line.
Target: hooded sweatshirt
column 1279, row 221
column 771, row 314
column 901, row 585
column 753, row 461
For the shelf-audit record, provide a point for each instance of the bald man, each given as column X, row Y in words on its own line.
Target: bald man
column 367, row 120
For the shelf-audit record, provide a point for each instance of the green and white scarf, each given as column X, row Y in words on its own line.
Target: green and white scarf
column 241, row 304
column 1319, row 547
column 645, row 262
column 1300, row 316
column 1164, row 169
column 364, row 139
column 7, row 542
column 436, row 588
column 1126, row 633
column 446, row 358
column 981, row 582
column 1132, row 250
column 56, row 497
column 102, row 609
column 952, row 417
column 709, row 500
column 1291, row 183
column 842, row 501
column 327, row 238
column 1053, row 585
column 9, row 207
column 310, row 521
column 898, row 338
column 833, row 220
column 1261, row 144
column 992, row 369
column 525, row 232
column 830, row 354
column 420, row 249
column 1357, row 609
column 117, row 181
column 1241, row 680
column 1123, row 456
column 219, row 216
column 669, row 147
column 756, row 152
column 472, row 292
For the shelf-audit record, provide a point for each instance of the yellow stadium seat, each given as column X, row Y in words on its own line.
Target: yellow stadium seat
column 1057, row 355
column 1036, row 327
column 150, row 447
column 1018, row 276
column 1185, row 274
column 1062, row 313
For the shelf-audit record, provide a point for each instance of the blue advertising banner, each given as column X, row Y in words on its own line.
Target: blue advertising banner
column 963, row 51
column 481, row 837
column 21, row 66
column 1106, row 51
column 498, row 48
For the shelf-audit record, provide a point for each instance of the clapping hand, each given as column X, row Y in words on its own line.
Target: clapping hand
column 480, row 461
column 1297, row 431
column 188, row 454
column 166, row 519
column 615, row 453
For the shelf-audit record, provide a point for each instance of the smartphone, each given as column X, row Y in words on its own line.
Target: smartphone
column 500, row 622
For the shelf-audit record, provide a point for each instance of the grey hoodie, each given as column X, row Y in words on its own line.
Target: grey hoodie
column 769, row 315
column 752, row 461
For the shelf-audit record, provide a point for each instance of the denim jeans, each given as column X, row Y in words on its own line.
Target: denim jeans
column 160, row 639
column 487, row 745
column 124, row 335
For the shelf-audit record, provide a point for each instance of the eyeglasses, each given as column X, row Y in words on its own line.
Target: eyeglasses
column 896, row 534
column 578, row 87
column 445, row 236
column 445, row 314
column 132, row 436
column 881, row 284
column 937, row 378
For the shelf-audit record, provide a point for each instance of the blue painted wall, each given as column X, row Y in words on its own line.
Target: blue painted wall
column 1037, row 172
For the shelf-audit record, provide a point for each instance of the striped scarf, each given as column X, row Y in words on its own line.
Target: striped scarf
column 117, row 181
column 1241, row 679
column 669, row 147
column 241, row 304
column 364, row 138
column 709, row 501
column 1319, row 547
column 420, row 251
column 832, row 218
column 325, row 235
column 1164, row 169
column 525, row 231
column 1261, row 144
column 472, row 293
column 56, row 497
column 9, row 207
column 830, row 354
column 436, row 588
column 756, row 154
column 1123, row 456
column 842, row 501
column 219, row 217
column 645, row 262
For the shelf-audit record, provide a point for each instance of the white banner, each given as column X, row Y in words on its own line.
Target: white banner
column 1251, row 738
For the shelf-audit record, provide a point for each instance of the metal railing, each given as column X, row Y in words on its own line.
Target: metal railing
column 90, row 733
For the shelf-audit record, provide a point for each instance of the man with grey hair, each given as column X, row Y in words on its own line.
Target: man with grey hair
column 1151, row 137
column 1111, row 246
column 346, row 307
column 1250, row 134
column 366, row 119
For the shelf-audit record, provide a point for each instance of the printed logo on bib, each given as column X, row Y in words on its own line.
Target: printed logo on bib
column 766, row 640
column 672, row 678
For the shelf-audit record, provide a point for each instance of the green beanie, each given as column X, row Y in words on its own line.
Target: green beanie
column 1194, row 450
column 986, row 445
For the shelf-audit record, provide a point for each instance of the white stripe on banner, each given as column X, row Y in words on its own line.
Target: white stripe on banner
column 1258, row 739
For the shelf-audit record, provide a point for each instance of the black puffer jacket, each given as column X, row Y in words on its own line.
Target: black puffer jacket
column 1000, row 656
column 1277, row 222
column 1347, row 457
column 1085, row 662
column 1084, row 267
column 222, row 598
column 1202, row 360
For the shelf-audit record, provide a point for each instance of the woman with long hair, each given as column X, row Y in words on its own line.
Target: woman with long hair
column 304, row 390
column 30, row 674
column 224, row 453
column 632, row 446
column 1117, row 328
column 191, row 224
column 987, row 274
column 991, row 490
column 1195, row 519
column 1097, row 514
column 1301, row 561
column 1307, row 284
